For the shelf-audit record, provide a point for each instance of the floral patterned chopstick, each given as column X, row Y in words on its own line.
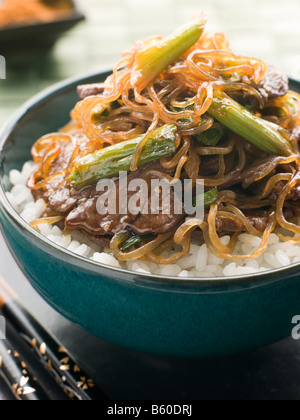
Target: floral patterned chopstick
column 55, row 358
column 17, row 376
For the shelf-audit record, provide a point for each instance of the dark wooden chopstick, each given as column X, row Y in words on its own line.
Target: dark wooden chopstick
column 6, row 393
column 54, row 358
column 46, row 381
column 17, row 376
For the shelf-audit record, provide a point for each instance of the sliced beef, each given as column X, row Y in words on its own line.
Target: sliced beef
column 63, row 160
column 56, row 194
column 263, row 167
column 87, row 217
column 245, row 98
column 266, row 167
column 164, row 222
column 227, row 226
column 156, row 224
column 37, row 194
column 60, row 200
column 84, row 91
column 294, row 195
column 102, row 241
column 209, row 165
column 275, row 84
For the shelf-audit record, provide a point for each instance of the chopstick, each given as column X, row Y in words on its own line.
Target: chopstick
column 53, row 357
column 18, row 376
column 6, row 393
column 29, row 359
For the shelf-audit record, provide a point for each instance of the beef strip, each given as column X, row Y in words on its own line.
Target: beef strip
column 209, row 166
column 102, row 241
column 275, row 84
column 86, row 216
column 64, row 158
column 269, row 166
column 264, row 166
column 164, row 222
column 56, row 194
column 294, row 195
column 60, row 200
column 84, row 91
column 229, row 227
column 258, row 220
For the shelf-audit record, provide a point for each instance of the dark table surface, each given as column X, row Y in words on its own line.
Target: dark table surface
column 269, row 373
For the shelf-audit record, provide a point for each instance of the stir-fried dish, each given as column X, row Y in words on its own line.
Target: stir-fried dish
column 176, row 108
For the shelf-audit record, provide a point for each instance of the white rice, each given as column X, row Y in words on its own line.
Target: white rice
column 200, row 262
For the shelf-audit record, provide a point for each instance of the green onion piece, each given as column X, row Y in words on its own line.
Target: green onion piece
column 101, row 111
column 135, row 240
column 203, row 200
column 183, row 120
column 262, row 134
column 108, row 162
column 207, row 199
column 98, row 112
column 212, row 137
column 152, row 61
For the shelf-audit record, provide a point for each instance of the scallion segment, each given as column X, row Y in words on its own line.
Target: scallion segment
column 204, row 200
column 213, row 136
column 262, row 134
column 110, row 161
column 152, row 61
column 207, row 199
column 135, row 240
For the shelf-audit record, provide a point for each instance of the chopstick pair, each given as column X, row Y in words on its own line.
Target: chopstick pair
column 28, row 336
column 20, row 371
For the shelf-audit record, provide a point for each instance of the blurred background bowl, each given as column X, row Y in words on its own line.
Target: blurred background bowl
column 39, row 35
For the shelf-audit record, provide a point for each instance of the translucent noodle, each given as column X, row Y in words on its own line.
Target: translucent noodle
column 46, row 221
column 119, row 238
column 157, row 259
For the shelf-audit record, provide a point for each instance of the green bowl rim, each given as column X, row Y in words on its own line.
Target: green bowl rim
column 254, row 280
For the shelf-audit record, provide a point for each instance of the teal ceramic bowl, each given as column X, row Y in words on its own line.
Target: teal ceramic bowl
column 167, row 316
